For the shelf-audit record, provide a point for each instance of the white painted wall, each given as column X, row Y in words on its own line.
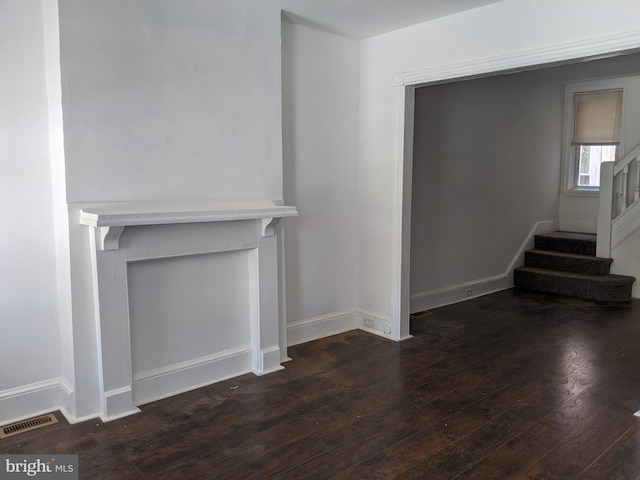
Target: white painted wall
column 171, row 100
column 510, row 27
column 163, row 100
column 320, row 142
column 28, row 292
column 578, row 212
column 486, row 168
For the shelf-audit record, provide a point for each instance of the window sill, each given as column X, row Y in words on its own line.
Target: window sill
column 580, row 192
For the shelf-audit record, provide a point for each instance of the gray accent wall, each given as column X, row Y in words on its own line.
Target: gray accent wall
column 486, row 169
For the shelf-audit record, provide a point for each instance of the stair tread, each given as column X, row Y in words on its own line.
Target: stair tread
column 589, row 237
column 577, row 256
column 567, row 262
column 567, row 242
column 610, row 278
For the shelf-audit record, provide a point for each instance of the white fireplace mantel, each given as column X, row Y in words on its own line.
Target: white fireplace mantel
column 159, row 230
column 111, row 219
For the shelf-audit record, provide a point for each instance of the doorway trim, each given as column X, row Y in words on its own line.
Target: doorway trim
column 407, row 82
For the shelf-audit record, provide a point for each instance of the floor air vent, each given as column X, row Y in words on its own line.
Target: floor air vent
column 27, row 425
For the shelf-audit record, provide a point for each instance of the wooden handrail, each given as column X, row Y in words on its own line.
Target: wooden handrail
column 619, row 166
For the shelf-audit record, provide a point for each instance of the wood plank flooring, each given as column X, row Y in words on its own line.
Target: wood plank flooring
column 510, row 385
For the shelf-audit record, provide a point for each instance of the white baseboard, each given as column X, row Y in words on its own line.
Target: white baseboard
column 72, row 419
column 476, row 288
column 68, row 401
column 331, row 324
column 375, row 322
column 118, row 403
column 31, row 400
column 321, row 326
column 68, row 404
column 167, row 381
column 459, row 293
column 268, row 362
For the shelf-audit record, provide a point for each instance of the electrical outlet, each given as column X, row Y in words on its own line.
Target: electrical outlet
column 468, row 292
column 370, row 323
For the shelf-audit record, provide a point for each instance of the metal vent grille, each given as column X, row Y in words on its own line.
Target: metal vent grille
column 27, row 425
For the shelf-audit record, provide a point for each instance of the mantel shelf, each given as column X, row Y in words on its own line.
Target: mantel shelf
column 162, row 213
column 111, row 219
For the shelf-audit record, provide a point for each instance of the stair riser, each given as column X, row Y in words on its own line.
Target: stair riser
column 565, row 245
column 586, row 266
column 582, row 288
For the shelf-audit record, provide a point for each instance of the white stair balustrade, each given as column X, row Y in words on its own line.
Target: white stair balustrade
column 617, row 180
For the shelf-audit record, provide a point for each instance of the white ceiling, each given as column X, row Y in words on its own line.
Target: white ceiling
column 366, row 18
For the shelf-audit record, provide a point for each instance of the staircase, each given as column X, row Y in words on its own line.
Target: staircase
column 566, row 263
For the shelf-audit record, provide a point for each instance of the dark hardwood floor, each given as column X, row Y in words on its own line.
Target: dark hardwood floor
column 510, row 385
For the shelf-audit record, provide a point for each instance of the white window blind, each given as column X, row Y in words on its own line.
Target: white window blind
column 597, row 117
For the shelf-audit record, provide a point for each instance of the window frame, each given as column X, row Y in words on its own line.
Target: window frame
column 570, row 160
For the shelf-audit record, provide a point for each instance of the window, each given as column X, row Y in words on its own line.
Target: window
column 589, row 159
column 593, row 125
column 596, row 132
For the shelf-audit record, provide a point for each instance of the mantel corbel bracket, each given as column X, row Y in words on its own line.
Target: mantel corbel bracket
column 110, row 237
column 269, row 225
